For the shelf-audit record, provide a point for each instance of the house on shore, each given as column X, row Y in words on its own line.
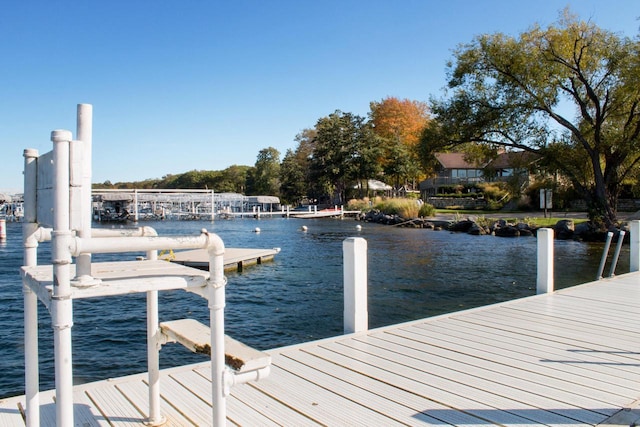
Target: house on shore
column 455, row 169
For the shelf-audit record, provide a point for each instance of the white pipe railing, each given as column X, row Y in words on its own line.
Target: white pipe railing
column 155, row 418
column 61, row 303
column 81, row 217
column 102, row 245
column 30, row 255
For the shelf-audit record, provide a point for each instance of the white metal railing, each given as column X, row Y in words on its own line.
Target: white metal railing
column 62, row 215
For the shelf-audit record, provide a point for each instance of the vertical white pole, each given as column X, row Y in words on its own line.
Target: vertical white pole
column 216, row 299
column 213, row 205
column 634, row 264
column 153, row 360
column 32, row 394
column 84, row 133
column 136, row 217
column 153, row 354
column 544, row 281
column 61, row 303
column 355, row 285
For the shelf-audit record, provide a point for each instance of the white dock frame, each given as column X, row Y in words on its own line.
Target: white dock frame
column 57, row 208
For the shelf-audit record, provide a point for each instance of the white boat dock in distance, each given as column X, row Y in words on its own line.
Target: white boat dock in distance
column 567, row 358
column 301, row 214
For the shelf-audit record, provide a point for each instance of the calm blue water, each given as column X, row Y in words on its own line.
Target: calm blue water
column 413, row 273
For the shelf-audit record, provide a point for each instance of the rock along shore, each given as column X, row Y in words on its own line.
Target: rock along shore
column 565, row 229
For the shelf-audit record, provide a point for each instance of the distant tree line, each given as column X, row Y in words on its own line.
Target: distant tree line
column 331, row 161
column 568, row 93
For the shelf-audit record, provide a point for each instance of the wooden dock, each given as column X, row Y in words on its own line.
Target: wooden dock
column 234, row 258
column 570, row 358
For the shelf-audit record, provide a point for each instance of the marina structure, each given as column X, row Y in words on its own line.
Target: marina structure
column 183, row 204
column 143, row 204
column 567, row 357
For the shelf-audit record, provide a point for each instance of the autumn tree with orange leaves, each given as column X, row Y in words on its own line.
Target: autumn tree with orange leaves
column 400, row 124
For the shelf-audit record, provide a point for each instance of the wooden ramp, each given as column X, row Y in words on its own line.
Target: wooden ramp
column 234, row 258
column 571, row 358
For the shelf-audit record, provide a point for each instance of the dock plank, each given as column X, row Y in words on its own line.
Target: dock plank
column 316, row 402
column 85, row 414
column 490, row 393
column 199, row 383
column 448, row 398
column 137, row 392
column 10, row 417
column 417, row 405
column 255, row 400
column 369, row 399
column 495, row 377
column 571, row 358
column 182, row 394
column 115, row 407
column 580, row 369
column 275, row 410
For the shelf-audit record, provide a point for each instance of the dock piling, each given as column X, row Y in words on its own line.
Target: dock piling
column 356, row 316
column 634, row 231
column 544, row 280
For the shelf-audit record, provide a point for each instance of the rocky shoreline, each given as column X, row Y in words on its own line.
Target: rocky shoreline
column 565, row 229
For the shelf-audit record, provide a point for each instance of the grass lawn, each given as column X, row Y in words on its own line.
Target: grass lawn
column 532, row 218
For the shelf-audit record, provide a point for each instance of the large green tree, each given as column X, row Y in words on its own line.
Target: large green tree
column 569, row 92
column 264, row 178
column 399, row 123
column 345, row 151
column 294, row 169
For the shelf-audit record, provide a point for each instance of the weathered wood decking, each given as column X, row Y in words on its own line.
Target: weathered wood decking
column 564, row 359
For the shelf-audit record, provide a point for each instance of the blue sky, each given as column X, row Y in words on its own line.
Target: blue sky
column 183, row 85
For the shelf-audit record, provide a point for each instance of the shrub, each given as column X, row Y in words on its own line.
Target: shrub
column 426, row 210
column 406, row 208
column 358, row 205
column 494, row 190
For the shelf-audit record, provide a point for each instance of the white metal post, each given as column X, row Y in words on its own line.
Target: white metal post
column 634, row 264
column 31, row 369
column 84, row 133
column 216, row 298
column 355, row 285
column 153, row 360
column 213, row 205
column 136, row 216
column 544, row 280
column 153, row 351
column 61, row 304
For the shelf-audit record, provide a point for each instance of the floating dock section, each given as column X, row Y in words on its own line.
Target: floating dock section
column 234, row 258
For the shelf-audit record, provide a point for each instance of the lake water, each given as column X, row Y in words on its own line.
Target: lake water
column 413, row 273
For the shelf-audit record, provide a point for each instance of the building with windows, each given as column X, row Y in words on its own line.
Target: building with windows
column 455, row 169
